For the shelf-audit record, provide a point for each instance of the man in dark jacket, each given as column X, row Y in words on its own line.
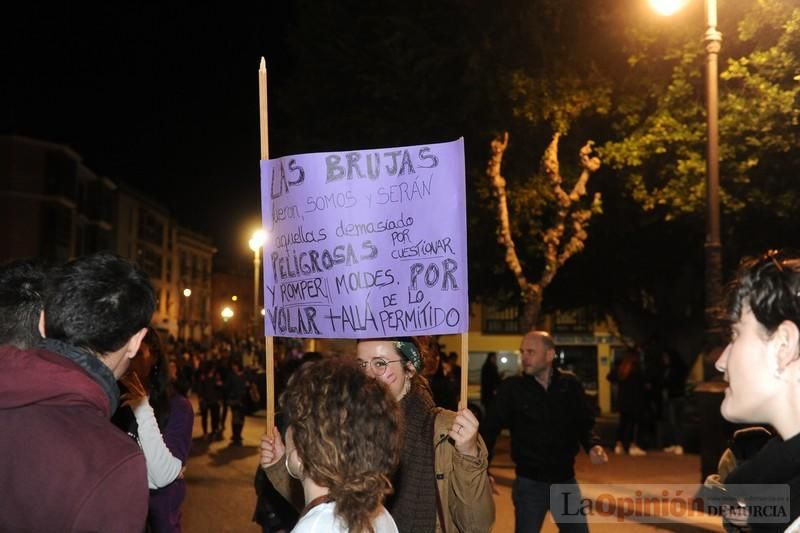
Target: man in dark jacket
column 64, row 466
column 548, row 416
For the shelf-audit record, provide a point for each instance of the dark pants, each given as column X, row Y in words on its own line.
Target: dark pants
column 224, row 415
column 628, row 429
column 237, row 422
column 532, row 502
column 205, row 410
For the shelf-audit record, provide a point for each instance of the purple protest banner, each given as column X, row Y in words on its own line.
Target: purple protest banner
column 368, row 243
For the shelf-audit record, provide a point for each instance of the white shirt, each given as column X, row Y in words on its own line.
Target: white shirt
column 322, row 519
column 162, row 467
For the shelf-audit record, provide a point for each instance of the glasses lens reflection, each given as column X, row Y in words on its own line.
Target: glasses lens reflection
column 378, row 365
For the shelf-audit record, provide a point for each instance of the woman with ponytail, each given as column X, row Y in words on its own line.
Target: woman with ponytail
column 342, row 444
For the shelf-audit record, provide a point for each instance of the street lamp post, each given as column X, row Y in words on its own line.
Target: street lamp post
column 708, row 395
column 186, row 311
column 256, row 243
column 713, row 245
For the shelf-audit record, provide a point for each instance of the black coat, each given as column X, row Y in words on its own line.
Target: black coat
column 547, row 426
column 630, row 391
column 778, row 462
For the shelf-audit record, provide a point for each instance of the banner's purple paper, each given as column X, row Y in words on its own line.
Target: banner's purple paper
column 368, row 243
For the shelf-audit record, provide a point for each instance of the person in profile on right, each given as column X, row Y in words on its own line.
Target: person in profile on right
column 761, row 365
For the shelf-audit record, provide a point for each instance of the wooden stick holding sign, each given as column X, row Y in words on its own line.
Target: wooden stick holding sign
column 269, row 344
column 464, row 369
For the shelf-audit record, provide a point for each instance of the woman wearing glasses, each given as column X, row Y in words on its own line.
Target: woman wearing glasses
column 342, row 444
column 762, row 367
column 442, row 483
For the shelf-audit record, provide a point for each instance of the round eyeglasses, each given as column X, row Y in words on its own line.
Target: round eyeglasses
column 378, row 365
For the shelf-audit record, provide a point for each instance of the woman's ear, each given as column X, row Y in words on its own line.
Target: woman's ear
column 135, row 342
column 410, row 370
column 787, row 338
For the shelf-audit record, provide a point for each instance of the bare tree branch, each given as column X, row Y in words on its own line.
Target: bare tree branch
column 568, row 217
column 504, row 232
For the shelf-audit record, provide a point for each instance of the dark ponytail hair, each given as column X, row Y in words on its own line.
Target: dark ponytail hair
column 160, row 388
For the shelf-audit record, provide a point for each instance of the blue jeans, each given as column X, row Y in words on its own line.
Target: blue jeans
column 532, row 502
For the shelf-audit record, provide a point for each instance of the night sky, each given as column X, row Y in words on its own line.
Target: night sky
column 163, row 98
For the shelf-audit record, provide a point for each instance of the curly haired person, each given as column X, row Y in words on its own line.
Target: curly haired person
column 342, row 444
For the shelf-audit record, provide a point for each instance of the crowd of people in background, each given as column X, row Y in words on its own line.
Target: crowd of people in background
column 651, row 399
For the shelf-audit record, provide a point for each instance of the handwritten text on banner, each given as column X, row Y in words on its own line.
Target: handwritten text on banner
column 369, row 243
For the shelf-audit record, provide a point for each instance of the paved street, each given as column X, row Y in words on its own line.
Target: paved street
column 221, row 496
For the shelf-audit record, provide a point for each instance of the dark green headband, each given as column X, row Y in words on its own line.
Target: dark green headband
column 409, row 351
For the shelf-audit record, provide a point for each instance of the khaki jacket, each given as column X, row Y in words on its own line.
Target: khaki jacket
column 463, row 482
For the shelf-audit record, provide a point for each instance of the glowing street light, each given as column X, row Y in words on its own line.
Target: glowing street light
column 667, row 7
column 713, row 245
column 186, row 312
column 256, row 243
column 257, row 240
column 227, row 313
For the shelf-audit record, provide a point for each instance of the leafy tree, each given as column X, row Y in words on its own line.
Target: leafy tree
column 660, row 131
column 657, row 150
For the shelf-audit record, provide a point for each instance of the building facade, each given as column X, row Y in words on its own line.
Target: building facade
column 53, row 207
column 191, row 283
